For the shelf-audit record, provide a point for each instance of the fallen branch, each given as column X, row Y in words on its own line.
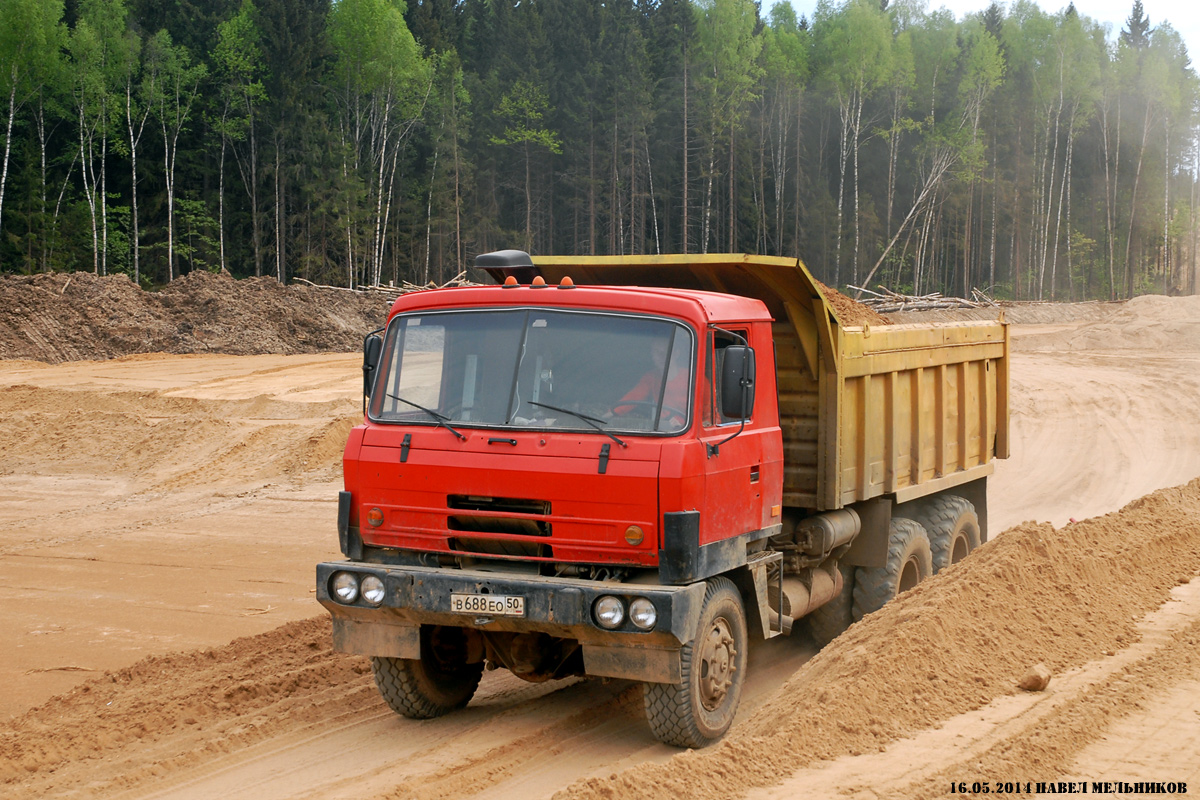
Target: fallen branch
column 886, row 301
column 394, row 291
column 323, row 286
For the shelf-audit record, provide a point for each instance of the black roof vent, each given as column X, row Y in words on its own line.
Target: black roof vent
column 503, row 259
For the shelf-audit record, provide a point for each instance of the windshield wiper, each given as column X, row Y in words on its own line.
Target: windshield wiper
column 438, row 418
column 595, row 423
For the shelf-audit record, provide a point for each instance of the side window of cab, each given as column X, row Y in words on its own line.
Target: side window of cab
column 714, row 359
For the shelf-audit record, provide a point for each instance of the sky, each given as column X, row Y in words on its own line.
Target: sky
column 1183, row 15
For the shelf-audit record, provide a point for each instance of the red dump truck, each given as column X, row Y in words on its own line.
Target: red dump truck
column 631, row 467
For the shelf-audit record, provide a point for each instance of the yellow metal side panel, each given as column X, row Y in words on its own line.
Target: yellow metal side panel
column 918, row 404
column 1002, row 442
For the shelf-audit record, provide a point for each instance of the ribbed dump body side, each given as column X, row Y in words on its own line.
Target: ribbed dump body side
column 920, row 407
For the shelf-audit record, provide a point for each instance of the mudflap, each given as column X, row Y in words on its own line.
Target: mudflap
column 760, row 584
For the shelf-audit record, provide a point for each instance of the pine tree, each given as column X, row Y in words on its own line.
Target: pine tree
column 1136, row 33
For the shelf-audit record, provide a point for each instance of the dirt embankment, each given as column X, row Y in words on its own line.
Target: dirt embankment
column 60, row 317
column 955, row 643
column 1151, row 323
column 1017, row 312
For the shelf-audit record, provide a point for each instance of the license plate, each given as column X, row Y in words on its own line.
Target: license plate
column 495, row 605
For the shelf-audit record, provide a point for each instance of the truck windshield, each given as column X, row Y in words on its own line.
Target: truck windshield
column 533, row 368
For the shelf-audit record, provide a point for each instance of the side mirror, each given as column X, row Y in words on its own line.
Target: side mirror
column 372, row 347
column 737, row 382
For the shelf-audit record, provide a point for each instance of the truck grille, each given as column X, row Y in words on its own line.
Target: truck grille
column 510, row 526
column 512, row 548
column 506, row 505
column 506, row 516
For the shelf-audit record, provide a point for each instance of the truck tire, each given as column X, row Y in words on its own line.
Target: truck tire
column 832, row 619
column 439, row 682
column 909, row 562
column 699, row 709
column 953, row 529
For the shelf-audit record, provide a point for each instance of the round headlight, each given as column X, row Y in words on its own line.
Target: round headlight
column 610, row 612
column 372, row 590
column 345, row 587
column 642, row 612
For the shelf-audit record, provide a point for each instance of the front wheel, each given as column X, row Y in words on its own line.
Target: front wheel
column 699, row 709
column 439, row 682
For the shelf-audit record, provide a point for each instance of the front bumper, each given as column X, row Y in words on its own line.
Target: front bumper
column 560, row 607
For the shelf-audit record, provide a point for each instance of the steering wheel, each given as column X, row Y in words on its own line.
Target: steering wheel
column 676, row 412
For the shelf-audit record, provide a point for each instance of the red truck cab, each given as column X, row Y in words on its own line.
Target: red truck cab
column 545, row 479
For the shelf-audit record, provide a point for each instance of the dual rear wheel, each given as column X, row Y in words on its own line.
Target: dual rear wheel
column 953, row 528
column 941, row 532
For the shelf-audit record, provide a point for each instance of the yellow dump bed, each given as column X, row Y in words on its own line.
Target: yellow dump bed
column 905, row 410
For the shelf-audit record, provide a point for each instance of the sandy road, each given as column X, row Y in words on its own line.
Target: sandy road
column 117, row 543
column 155, row 504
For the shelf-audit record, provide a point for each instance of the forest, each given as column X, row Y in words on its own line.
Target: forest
column 1025, row 153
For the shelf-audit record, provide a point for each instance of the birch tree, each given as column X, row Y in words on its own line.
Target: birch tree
column 727, row 74
column 179, row 87
column 382, row 84
column 238, row 64
column 785, row 56
column 97, row 51
column 31, row 37
column 854, row 48
column 140, row 95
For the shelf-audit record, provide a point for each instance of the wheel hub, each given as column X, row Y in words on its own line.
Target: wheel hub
column 717, row 664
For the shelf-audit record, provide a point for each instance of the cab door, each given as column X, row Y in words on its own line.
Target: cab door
column 743, row 477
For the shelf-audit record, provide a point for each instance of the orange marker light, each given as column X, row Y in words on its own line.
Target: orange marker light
column 539, row 282
column 634, row 535
column 510, row 281
column 566, row 283
column 375, row 517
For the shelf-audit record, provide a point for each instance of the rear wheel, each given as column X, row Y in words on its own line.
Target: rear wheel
column 953, row 529
column 699, row 709
column 832, row 619
column 439, row 682
column 908, row 563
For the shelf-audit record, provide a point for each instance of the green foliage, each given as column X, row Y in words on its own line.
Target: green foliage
column 523, row 109
column 197, row 245
column 375, row 51
column 1021, row 147
column 727, row 55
